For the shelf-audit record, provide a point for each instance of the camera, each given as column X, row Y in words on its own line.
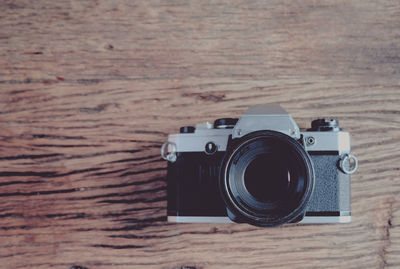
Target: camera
column 260, row 169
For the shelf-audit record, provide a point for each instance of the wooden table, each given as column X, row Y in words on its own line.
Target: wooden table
column 89, row 90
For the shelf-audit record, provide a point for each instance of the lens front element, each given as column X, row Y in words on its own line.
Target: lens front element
column 267, row 179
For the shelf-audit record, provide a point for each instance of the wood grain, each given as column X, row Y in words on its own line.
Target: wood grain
column 90, row 89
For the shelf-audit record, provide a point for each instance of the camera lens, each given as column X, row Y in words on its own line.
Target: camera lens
column 266, row 179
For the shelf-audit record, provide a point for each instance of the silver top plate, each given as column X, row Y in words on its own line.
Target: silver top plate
column 196, row 142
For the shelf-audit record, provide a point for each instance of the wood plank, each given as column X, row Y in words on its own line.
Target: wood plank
column 89, row 90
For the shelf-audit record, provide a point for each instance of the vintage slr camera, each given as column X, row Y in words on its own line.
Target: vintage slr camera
column 259, row 169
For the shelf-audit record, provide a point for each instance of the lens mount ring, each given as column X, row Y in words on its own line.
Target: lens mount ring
column 241, row 145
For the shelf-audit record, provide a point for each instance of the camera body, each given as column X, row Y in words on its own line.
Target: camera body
column 259, row 169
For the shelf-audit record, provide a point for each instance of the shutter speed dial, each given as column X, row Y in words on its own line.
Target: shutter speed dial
column 225, row 123
column 324, row 125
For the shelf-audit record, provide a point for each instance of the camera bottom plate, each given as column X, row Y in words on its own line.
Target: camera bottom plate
column 213, row 219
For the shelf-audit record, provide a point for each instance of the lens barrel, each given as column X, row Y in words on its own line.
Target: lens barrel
column 266, row 178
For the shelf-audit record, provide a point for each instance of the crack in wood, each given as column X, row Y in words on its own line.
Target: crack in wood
column 386, row 235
